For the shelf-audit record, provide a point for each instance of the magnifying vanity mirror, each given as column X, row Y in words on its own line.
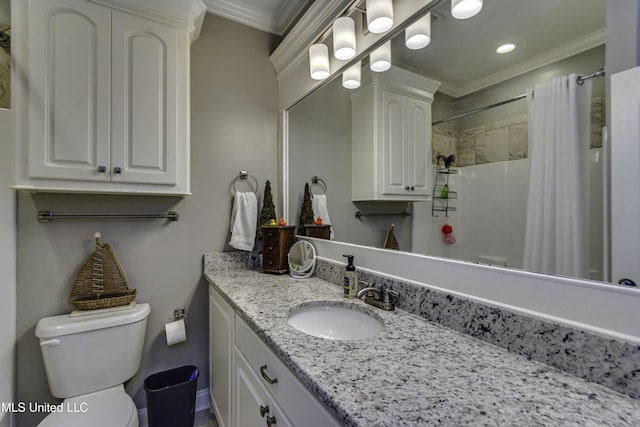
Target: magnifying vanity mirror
column 302, row 260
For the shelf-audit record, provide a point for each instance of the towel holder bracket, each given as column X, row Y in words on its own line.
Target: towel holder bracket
column 244, row 176
column 318, row 181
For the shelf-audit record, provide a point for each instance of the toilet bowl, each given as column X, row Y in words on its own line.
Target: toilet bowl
column 88, row 355
column 105, row 408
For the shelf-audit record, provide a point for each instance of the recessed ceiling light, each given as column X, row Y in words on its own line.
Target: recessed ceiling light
column 507, row 47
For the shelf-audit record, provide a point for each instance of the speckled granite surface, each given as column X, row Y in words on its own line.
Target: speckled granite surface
column 605, row 361
column 415, row 372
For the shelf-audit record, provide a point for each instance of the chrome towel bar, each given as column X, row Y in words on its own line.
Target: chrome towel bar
column 46, row 216
column 359, row 214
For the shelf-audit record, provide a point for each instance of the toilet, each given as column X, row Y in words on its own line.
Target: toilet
column 88, row 355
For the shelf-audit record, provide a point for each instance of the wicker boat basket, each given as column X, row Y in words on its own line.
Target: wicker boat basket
column 101, row 282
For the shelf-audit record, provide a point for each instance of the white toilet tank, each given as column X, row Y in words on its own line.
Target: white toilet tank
column 88, row 351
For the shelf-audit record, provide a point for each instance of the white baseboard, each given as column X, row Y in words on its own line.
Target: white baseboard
column 202, row 403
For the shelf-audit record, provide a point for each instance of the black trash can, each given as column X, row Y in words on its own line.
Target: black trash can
column 171, row 397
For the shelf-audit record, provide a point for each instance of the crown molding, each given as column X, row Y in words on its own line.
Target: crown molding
column 315, row 21
column 271, row 22
column 185, row 14
column 404, row 81
column 261, row 20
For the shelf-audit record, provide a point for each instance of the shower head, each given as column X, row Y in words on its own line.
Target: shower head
column 5, row 39
column 449, row 161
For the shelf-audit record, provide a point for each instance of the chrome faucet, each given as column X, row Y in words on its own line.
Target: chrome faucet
column 381, row 297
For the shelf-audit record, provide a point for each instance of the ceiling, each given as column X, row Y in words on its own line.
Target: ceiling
column 462, row 52
column 272, row 16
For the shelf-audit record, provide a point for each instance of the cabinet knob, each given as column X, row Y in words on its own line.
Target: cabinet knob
column 413, row 188
column 117, row 169
column 263, row 371
column 271, row 421
column 264, row 410
column 406, row 188
column 102, row 169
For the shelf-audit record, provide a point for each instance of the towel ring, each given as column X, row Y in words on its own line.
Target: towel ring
column 244, row 175
column 317, row 181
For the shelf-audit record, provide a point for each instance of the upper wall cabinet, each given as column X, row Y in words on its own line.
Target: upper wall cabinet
column 105, row 101
column 391, row 137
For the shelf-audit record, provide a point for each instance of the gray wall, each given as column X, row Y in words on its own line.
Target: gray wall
column 623, row 32
column 234, row 106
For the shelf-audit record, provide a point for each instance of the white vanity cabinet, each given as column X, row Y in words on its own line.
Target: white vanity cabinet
column 391, row 137
column 249, row 384
column 104, row 105
column 221, row 342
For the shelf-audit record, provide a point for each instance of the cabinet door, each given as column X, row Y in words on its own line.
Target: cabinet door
column 144, row 111
column 301, row 407
column 69, row 75
column 393, row 144
column 253, row 405
column 221, row 330
column 406, row 146
column 419, row 147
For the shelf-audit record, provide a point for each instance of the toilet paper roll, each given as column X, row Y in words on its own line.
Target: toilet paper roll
column 176, row 332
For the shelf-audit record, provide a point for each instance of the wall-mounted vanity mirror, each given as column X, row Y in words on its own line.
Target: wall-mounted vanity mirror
column 302, row 260
column 488, row 189
column 5, row 54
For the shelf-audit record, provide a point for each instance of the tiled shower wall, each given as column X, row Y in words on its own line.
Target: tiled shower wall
column 503, row 140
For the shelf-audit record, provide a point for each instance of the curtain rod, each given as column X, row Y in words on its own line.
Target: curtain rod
column 580, row 81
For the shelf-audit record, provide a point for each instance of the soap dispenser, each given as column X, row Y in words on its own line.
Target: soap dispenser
column 444, row 194
column 350, row 283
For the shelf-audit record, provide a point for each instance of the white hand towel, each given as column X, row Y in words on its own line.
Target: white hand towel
column 244, row 220
column 319, row 206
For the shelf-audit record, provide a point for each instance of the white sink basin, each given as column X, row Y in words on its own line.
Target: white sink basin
column 335, row 321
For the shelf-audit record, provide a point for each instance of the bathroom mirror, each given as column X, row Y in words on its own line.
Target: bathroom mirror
column 302, row 260
column 551, row 39
column 5, row 54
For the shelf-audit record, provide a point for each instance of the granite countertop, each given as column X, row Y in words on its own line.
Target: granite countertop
column 414, row 372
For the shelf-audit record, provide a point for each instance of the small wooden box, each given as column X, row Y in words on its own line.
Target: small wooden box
column 276, row 242
column 320, row 231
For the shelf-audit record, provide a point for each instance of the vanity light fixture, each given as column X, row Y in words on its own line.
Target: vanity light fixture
column 351, row 76
column 344, row 38
column 379, row 15
column 418, row 34
column 463, row 9
column 505, row 48
column 380, row 59
column 319, row 61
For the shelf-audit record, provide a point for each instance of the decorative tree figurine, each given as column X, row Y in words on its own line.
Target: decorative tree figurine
column 268, row 211
column 306, row 213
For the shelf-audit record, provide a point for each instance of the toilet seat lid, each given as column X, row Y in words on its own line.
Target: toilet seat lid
column 107, row 408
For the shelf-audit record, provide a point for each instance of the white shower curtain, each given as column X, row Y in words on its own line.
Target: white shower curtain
column 557, row 227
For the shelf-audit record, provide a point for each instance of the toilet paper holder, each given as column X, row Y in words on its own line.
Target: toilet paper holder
column 178, row 313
